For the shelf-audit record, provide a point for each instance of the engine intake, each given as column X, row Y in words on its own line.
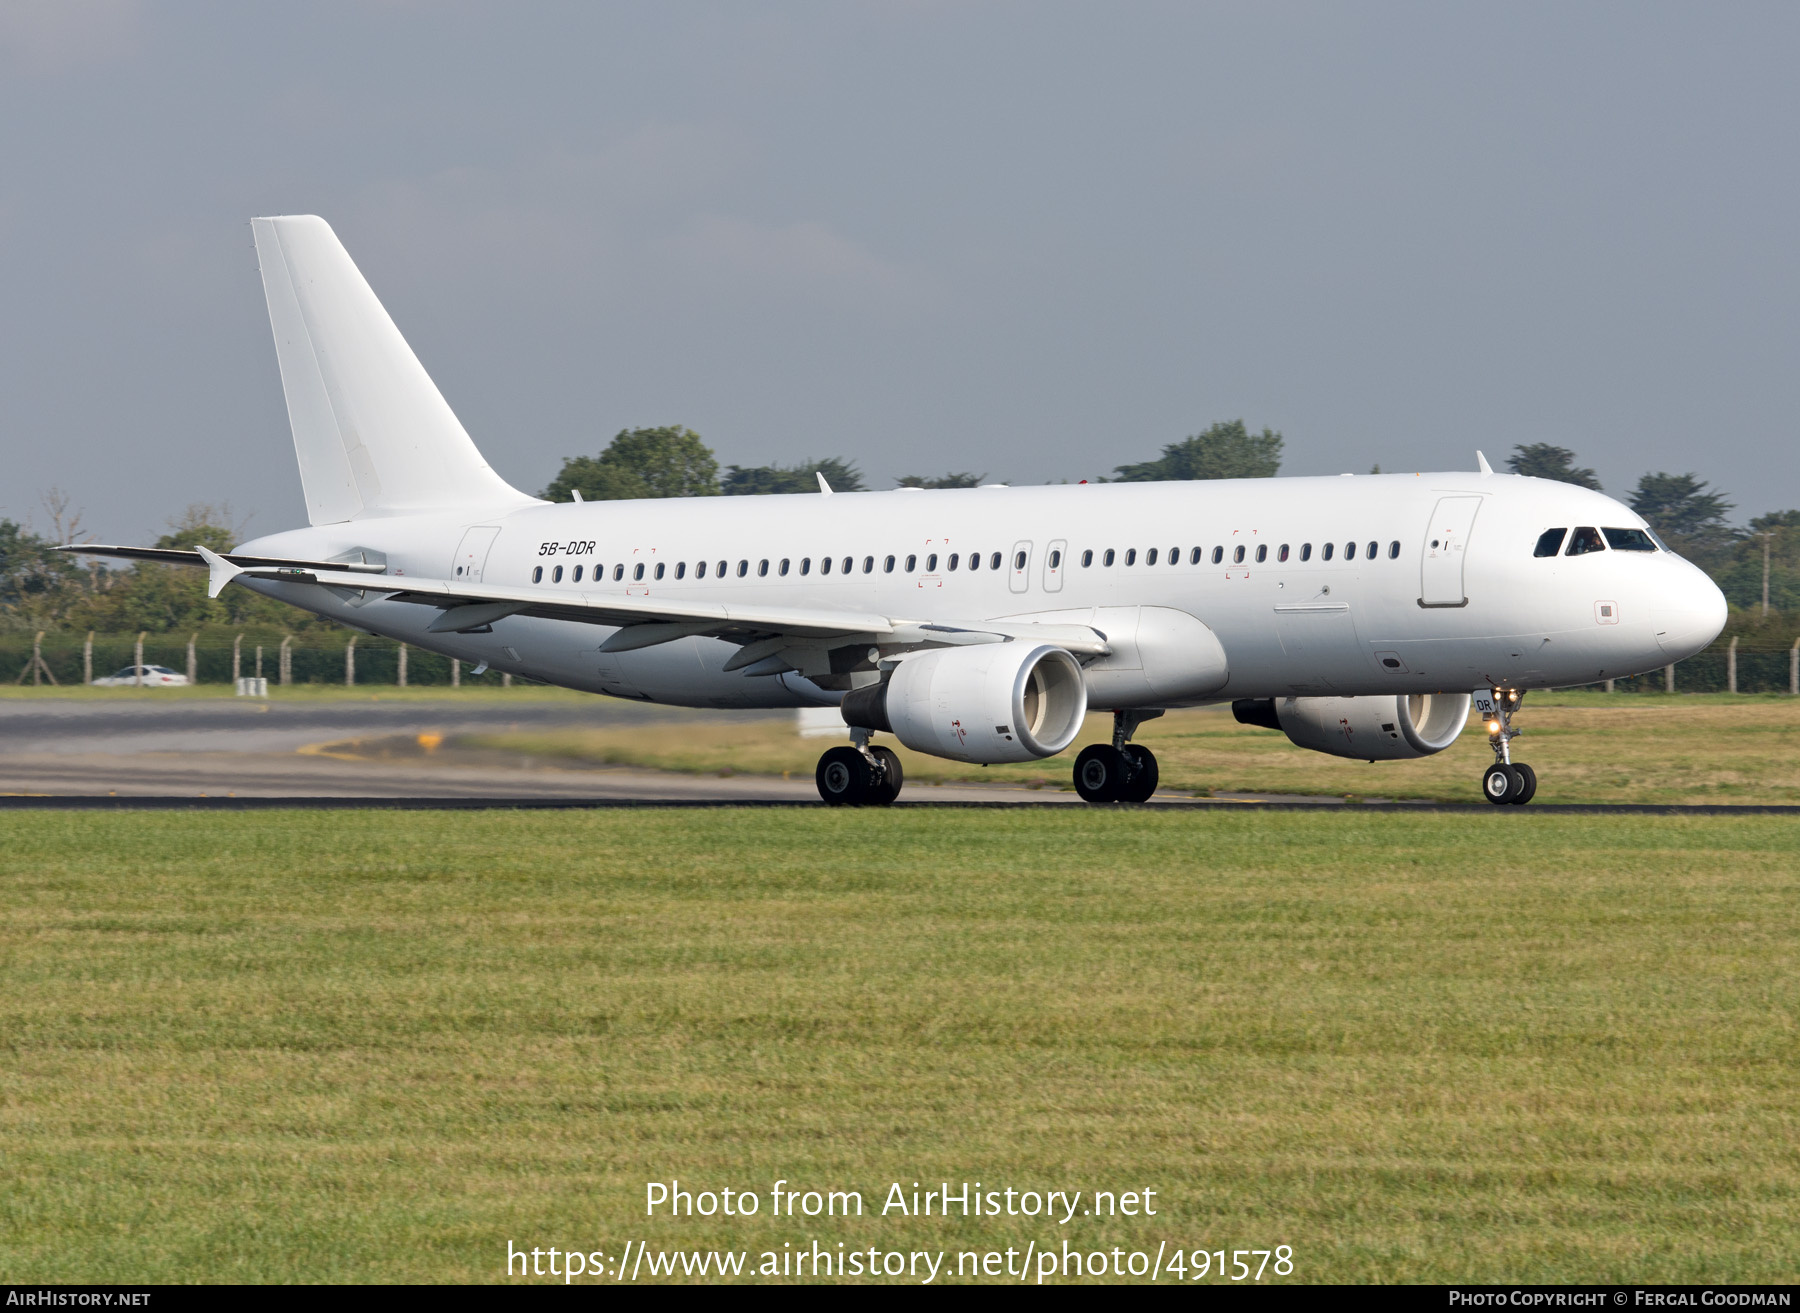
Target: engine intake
column 1385, row 728
column 988, row 703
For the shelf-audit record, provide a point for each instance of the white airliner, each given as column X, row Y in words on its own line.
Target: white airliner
column 1354, row 614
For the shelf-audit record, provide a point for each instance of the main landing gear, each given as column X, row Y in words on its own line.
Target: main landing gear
column 1506, row 781
column 859, row 776
column 1120, row 771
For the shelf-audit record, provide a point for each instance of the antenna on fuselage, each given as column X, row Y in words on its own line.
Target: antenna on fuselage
column 824, row 487
column 1481, row 460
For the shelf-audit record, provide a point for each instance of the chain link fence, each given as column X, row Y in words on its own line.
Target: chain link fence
column 67, row 658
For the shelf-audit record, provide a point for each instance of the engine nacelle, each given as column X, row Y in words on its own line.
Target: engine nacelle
column 991, row 702
column 1385, row 728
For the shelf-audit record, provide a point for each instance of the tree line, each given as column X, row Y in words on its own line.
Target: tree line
column 43, row 589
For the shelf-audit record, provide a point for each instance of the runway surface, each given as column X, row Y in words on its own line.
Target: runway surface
column 230, row 753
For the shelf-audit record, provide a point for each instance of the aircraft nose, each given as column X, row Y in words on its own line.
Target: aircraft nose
column 1689, row 611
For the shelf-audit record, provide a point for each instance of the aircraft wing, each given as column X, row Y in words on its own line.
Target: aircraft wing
column 186, row 556
column 771, row 638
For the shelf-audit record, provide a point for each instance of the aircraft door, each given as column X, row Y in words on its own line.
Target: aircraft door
column 1055, row 562
column 472, row 553
column 1445, row 550
column 1019, row 567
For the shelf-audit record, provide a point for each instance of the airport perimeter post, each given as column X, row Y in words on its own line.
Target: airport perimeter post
column 87, row 659
column 403, row 665
column 237, row 659
column 350, row 662
column 455, row 673
column 1731, row 665
column 137, row 660
column 1794, row 669
column 193, row 670
column 286, row 660
column 1669, row 678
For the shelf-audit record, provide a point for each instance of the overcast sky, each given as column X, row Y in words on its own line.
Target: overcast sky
column 1033, row 240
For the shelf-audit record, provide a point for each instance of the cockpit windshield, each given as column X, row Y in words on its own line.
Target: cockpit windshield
column 1549, row 542
column 1585, row 540
column 1629, row 540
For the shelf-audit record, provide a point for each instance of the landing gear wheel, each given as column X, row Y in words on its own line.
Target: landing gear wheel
column 843, row 777
column 1502, row 784
column 886, row 787
column 1528, row 784
column 1100, row 772
column 1144, row 774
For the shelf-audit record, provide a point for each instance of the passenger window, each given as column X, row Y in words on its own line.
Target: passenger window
column 847, row 564
column 576, row 576
column 1194, row 558
column 1218, row 555
column 974, row 560
column 887, row 566
column 537, row 575
column 1326, row 550
column 762, row 569
column 1174, row 556
column 659, row 572
column 700, row 570
column 784, row 567
column 1237, row 557
column 994, row 561
column 1283, row 553
column 1131, row 556
column 1549, row 542
column 806, row 565
column 1629, row 540
column 1349, row 551
column 618, row 573
column 868, row 565
column 1019, row 561
column 1056, row 560
column 824, row 565
column 1087, row 558
column 1262, row 553
column 1374, row 549
column 720, row 570
column 743, row 568
column 1585, row 540
column 637, row 571
column 931, row 564
column 912, row 563
column 556, row 575
column 1394, row 550
column 681, row 569
column 1150, row 557
column 1306, row 551
column 1108, row 558
column 951, row 563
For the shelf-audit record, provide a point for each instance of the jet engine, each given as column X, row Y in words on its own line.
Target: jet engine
column 1384, row 728
column 987, row 703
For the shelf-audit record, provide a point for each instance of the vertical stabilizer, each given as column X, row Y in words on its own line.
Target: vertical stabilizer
column 372, row 433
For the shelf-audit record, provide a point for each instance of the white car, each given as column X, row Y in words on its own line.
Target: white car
column 153, row 677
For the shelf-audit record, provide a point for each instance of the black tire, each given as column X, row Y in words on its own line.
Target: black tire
column 843, row 778
column 1100, row 773
column 1144, row 774
column 1528, row 784
column 884, row 790
column 1501, row 784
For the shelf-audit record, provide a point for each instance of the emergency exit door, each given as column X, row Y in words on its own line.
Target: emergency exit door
column 1441, row 570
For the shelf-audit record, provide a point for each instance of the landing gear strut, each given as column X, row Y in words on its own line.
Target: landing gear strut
column 1120, row 771
column 1506, row 781
column 859, row 775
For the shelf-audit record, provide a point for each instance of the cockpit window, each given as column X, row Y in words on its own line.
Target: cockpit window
column 1585, row 540
column 1629, row 540
column 1550, row 542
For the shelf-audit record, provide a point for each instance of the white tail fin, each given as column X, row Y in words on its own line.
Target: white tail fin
column 373, row 434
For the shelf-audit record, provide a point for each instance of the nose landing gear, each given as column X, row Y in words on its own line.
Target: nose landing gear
column 1120, row 771
column 1506, row 781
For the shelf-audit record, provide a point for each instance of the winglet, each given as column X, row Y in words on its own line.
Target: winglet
column 824, row 487
column 220, row 571
column 1481, row 460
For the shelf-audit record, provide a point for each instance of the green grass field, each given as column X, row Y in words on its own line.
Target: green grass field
column 376, row 1045
column 1586, row 747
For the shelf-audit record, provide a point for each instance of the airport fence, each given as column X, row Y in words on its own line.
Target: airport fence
column 65, row 658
